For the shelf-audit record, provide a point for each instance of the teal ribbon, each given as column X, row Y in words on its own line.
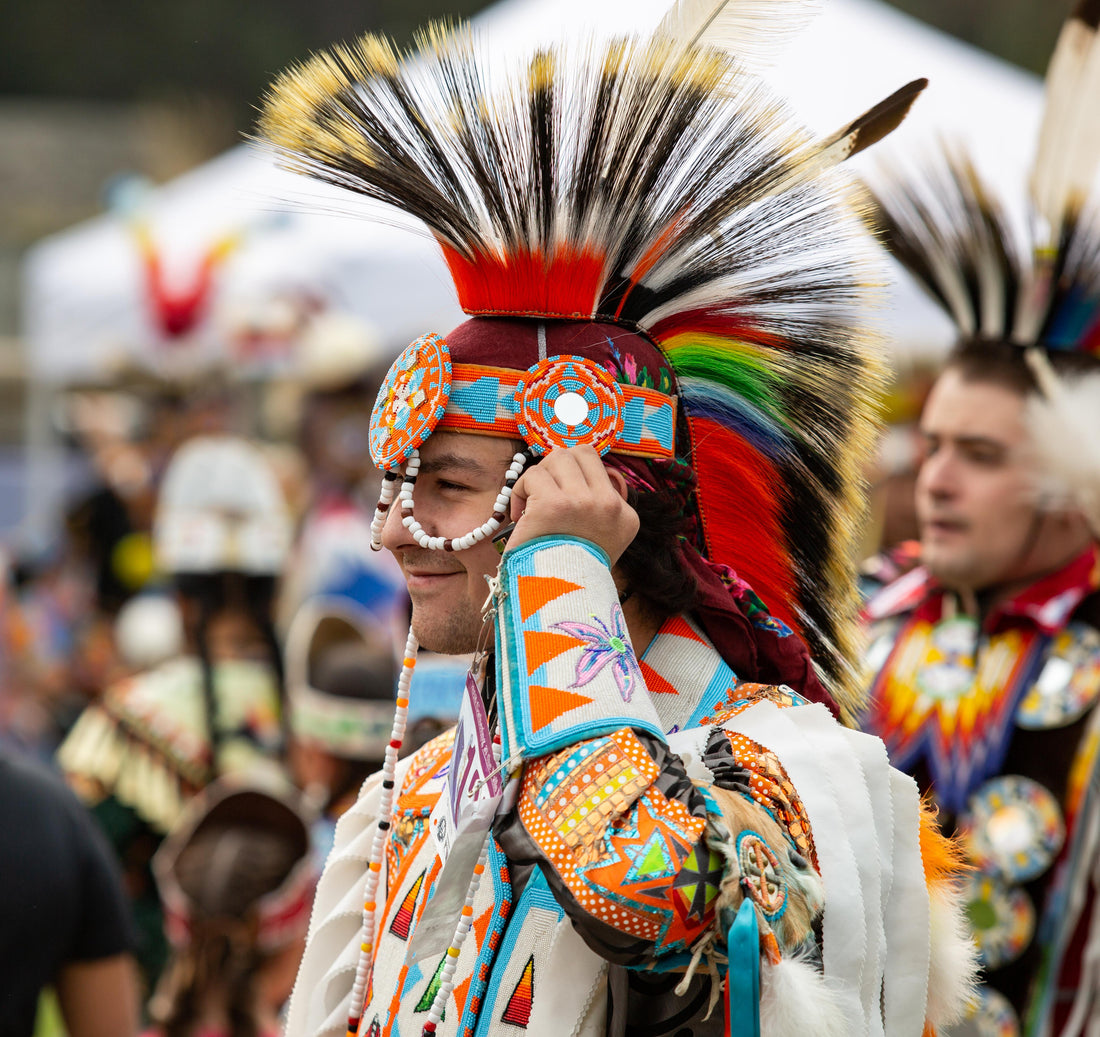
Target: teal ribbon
column 743, row 977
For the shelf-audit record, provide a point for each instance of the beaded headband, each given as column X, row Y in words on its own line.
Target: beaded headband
column 560, row 402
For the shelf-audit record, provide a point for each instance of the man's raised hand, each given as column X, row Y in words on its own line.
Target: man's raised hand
column 571, row 493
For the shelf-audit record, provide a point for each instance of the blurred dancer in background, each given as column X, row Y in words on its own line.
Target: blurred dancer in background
column 341, row 684
column 236, row 878
column 339, row 367
column 137, row 756
column 984, row 666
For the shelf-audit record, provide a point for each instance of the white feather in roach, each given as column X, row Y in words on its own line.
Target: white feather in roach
column 1064, row 420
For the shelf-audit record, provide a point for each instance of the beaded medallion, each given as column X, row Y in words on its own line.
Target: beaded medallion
column 949, row 670
column 993, row 1017
column 1013, row 828
column 761, row 879
column 567, row 401
column 412, row 400
column 1002, row 917
column 1069, row 682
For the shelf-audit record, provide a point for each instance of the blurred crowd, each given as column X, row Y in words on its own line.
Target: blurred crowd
column 206, row 656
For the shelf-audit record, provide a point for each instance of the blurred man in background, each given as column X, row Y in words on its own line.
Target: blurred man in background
column 984, row 665
column 66, row 922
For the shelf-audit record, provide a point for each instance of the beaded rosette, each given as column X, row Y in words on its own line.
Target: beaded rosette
column 1013, row 830
column 566, row 401
column 411, row 401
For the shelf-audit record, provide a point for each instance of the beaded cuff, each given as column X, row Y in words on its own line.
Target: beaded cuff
column 566, row 670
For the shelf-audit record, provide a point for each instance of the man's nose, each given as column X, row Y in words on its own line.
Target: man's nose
column 395, row 534
column 939, row 474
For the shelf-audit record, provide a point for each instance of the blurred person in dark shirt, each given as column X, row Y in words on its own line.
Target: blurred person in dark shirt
column 66, row 922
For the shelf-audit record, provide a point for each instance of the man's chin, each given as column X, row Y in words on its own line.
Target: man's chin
column 445, row 640
column 950, row 570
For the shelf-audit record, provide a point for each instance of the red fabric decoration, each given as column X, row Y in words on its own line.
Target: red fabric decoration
column 744, row 510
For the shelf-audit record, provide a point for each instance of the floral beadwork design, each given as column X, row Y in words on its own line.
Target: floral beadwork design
column 624, row 367
column 605, row 646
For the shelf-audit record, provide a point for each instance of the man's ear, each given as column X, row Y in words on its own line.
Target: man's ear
column 618, row 480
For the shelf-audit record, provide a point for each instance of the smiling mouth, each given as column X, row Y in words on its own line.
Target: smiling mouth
column 945, row 526
column 430, row 574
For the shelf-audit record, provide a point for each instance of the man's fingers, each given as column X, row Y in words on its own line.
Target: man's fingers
column 557, row 472
column 570, row 493
column 590, row 464
column 575, row 471
column 564, row 467
column 534, row 482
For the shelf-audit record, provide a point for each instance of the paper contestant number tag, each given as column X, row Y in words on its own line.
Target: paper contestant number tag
column 460, row 824
column 474, row 786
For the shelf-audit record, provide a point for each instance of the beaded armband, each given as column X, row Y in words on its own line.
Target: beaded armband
column 566, row 670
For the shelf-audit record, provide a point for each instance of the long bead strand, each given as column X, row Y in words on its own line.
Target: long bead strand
column 465, row 922
column 381, row 509
column 378, row 847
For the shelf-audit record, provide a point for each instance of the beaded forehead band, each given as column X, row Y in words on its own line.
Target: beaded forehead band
column 560, row 402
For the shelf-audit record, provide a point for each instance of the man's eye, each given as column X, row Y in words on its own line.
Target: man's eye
column 446, row 484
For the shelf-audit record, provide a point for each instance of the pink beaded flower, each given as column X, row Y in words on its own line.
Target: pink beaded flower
column 605, row 647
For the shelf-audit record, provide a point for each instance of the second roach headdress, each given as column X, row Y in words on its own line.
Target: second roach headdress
column 1038, row 292
column 657, row 260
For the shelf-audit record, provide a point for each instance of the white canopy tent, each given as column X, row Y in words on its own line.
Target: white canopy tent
column 86, row 307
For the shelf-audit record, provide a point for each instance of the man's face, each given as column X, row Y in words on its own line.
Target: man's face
column 456, row 489
column 976, row 491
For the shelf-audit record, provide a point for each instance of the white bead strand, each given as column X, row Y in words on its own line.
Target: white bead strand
column 378, row 846
column 475, row 536
column 381, row 509
column 465, row 922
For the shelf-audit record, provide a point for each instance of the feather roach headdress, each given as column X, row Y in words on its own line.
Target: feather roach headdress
column 647, row 207
column 1068, row 412
column 952, row 234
